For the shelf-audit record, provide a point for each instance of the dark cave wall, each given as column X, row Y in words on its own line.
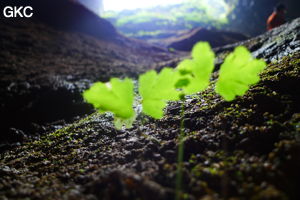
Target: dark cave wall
column 67, row 15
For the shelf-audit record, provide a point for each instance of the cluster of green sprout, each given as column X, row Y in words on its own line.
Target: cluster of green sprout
column 238, row 72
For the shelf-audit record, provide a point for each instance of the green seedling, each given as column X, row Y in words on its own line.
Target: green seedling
column 194, row 74
column 236, row 75
column 117, row 97
column 156, row 90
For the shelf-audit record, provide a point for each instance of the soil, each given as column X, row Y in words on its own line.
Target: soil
column 245, row 149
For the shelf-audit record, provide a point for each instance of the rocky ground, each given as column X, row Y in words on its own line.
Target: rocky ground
column 44, row 70
column 245, row 149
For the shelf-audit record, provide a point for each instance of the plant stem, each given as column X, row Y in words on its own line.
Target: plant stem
column 180, row 153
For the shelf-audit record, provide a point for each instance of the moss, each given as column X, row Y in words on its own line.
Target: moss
column 289, row 66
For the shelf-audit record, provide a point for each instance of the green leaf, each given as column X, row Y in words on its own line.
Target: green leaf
column 197, row 71
column 116, row 97
column 156, row 90
column 120, row 122
column 238, row 73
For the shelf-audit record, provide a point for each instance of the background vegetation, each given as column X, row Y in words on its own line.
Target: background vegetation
column 162, row 21
column 245, row 16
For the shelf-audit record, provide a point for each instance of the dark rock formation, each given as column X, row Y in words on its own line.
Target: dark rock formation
column 67, row 15
column 216, row 39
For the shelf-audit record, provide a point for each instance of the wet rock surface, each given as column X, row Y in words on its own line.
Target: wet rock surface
column 245, row 149
column 274, row 44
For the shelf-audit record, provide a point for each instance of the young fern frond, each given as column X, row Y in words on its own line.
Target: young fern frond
column 196, row 72
column 156, row 90
column 117, row 97
column 237, row 74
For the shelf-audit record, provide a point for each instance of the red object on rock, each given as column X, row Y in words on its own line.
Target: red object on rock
column 275, row 20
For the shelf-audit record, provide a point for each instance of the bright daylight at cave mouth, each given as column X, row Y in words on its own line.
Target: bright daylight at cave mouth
column 117, row 5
